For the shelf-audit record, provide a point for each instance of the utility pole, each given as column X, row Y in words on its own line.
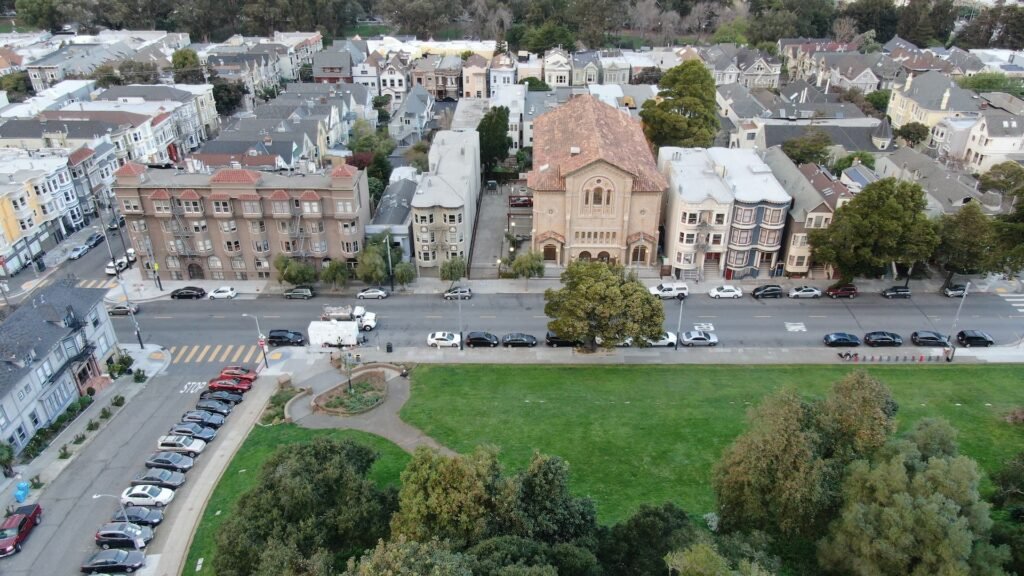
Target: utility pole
column 679, row 323
column 459, row 298
column 391, row 272
column 956, row 319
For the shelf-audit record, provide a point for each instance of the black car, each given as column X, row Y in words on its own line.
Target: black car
column 123, row 535
column 188, row 293
column 170, row 461
column 208, row 419
column 114, row 561
column 285, row 338
column 94, row 240
column 968, row 338
column 116, row 223
column 518, row 339
column 214, row 406
column 194, row 430
column 767, row 291
column 841, row 339
column 929, row 338
column 896, row 292
column 556, row 341
column 474, row 339
column 882, row 338
column 159, row 477
column 221, row 396
column 139, row 515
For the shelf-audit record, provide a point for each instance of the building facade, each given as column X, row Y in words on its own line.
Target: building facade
column 444, row 206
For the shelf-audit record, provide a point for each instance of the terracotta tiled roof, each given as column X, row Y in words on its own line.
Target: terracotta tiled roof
column 130, row 169
column 344, row 171
column 235, row 176
column 188, row 194
column 249, row 197
column 161, row 117
column 279, row 195
column 9, row 57
column 219, row 196
column 599, row 132
column 160, row 194
column 79, row 156
column 309, row 196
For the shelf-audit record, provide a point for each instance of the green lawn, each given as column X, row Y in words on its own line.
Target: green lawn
column 367, row 30
column 635, row 434
column 242, row 473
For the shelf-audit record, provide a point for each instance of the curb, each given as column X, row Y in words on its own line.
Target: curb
column 288, row 405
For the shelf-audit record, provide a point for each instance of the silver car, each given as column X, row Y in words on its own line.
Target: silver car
column 698, row 338
column 805, row 292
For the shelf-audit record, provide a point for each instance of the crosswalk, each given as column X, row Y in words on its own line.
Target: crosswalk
column 104, row 283
column 1015, row 300
column 219, row 353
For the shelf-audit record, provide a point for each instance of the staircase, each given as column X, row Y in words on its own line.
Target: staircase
column 710, row 271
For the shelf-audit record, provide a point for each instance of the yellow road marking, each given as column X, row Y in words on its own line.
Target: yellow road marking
column 252, row 350
column 203, row 353
column 191, row 354
column 213, row 355
column 180, row 353
column 227, row 351
column 238, row 354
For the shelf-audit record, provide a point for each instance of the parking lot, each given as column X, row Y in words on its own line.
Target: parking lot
column 493, row 220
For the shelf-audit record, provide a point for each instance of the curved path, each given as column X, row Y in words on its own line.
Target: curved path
column 383, row 420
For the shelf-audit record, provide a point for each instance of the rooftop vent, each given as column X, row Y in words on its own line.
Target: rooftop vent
column 574, row 150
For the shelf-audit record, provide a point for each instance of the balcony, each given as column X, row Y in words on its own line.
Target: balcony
column 82, row 355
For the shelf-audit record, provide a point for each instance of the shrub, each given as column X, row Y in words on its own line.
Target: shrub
column 60, row 421
column 35, row 482
column 105, row 413
column 64, row 453
column 79, row 438
column 90, row 391
column 117, row 401
column 72, row 410
column 84, row 402
column 92, row 425
column 126, row 361
column 115, row 370
column 140, row 376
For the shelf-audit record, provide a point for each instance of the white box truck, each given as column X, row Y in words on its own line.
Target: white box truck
column 342, row 312
column 334, row 333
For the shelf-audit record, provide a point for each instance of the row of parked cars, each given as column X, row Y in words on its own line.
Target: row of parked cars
column 123, row 539
column 965, row 338
column 479, row 339
column 680, row 290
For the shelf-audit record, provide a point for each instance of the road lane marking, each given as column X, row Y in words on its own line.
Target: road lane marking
column 432, row 317
column 706, row 316
column 265, row 316
column 177, row 357
column 163, row 317
column 488, row 317
column 191, row 354
column 227, row 352
column 213, row 355
column 762, row 316
column 813, row 316
column 796, row 327
column 248, row 356
column 218, row 316
column 238, row 354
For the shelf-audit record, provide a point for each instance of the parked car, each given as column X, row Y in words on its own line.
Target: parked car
column 667, row 290
column 95, row 239
column 518, row 340
column 805, row 292
column 836, row 339
column 896, row 292
column 767, row 291
column 725, row 292
column 842, row 291
column 968, row 338
column 955, row 290
column 123, row 535
column 139, row 515
column 114, row 266
column 147, row 495
column 170, row 461
column 443, row 339
column 667, row 339
column 239, row 372
column 374, row 293
column 204, row 418
column 929, row 338
column 698, row 338
column 882, row 338
column 230, row 385
column 520, row 202
column 474, row 339
column 221, row 396
column 78, row 251
column 17, row 526
column 286, row 338
column 223, row 293
column 116, row 223
column 159, row 477
column 556, row 341
column 459, row 292
column 126, row 561
column 204, row 433
column 123, row 309
column 187, row 445
column 188, row 293
column 214, row 406
column 301, row 292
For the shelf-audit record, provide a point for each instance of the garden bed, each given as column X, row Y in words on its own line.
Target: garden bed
column 368, row 390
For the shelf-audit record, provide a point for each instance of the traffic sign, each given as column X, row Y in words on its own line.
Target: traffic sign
column 261, row 342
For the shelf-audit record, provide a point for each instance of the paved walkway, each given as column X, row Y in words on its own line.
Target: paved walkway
column 383, row 421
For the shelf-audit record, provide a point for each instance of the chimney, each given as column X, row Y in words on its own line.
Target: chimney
column 574, row 150
column 910, row 78
column 945, row 100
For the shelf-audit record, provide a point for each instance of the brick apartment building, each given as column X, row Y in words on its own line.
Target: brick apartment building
column 231, row 223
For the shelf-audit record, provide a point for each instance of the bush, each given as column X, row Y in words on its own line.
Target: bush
column 64, row 453
column 60, row 421
column 79, row 438
column 84, row 402
column 117, row 401
column 92, row 425
column 115, row 370
column 90, row 391
column 72, row 410
column 125, row 361
column 105, row 413
column 140, row 376
column 35, row 482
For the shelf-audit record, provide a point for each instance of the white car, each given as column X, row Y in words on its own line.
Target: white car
column 698, row 338
column 377, row 293
column 115, row 266
column 78, row 251
column 667, row 339
column 439, row 339
column 224, row 292
column 805, row 292
column 186, row 445
column 147, row 495
column 726, row 291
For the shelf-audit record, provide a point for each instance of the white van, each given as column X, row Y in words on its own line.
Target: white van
column 667, row 290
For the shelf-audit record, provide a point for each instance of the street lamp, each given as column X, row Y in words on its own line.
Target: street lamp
column 262, row 342
column 956, row 318
column 679, row 323
column 459, row 298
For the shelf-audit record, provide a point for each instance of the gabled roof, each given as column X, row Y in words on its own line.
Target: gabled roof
column 827, row 184
column 235, row 176
column 1000, row 124
column 929, row 89
column 79, row 156
column 805, row 197
column 344, row 171
column 131, row 169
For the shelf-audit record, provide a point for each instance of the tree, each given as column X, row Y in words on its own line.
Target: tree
column 535, row 84
column 879, row 99
column 774, row 24
column 376, row 187
column 913, row 132
column 538, row 505
column 647, row 76
column 133, row 72
column 686, row 114
column 637, row 546
column 527, row 265
column 306, row 73
column 967, row 242
column 416, row 155
column 810, row 148
column 1005, row 178
column 453, row 269
column 992, row 82
column 43, row 14
column 1008, row 480
column 600, row 301
column 405, row 273
column 106, row 76
column 844, row 29
column 865, row 158
column 380, row 168
column 494, row 139
column 371, row 266
column 703, row 559
column 228, row 96
column 878, row 15
column 549, row 35
column 7, row 459
column 187, row 69
column 17, row 85
column 883, row 224
column 410, row 558
column 914, row 23
column 281, row 263
column 299, row 273
column 909, row 511
column 335, row 273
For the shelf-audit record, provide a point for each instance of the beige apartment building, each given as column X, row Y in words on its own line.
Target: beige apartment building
column 597, row 192
column 232, row 223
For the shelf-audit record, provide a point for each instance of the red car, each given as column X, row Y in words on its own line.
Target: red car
column 17, row 527
column 239, row 372
column 230, row 384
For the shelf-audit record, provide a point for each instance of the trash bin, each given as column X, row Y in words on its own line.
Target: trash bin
column 40, row 265
column 388, row 347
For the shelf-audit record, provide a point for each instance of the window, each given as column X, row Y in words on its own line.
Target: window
column 689, row 218
column 798, row 240
column 743, row 216
column 131, row 205
column 720, row 218
column 139, row 226
column 716, row 239
column 319, row 246
column 191, row 206
column 288, row 246
column 238, row 263
column 3, row 419
column 214, row 263
column 773, row 216
column 197, row 226
column 688, row 238
column 737, row 258
column 216, row 275
column 280, row 207
column 262, row 264
column 232, row 246
column 162, row 206
column 689, row 257
column 241, row 276
column 34, row 418
column 261, row 246
column 768, row 238
column 316, row 227
column 741, row 237
column 311, row 207
column 251, row 207
column 257, row 227
column 800, row 260
column 222, row 207
column 228, row 226
column 343, row 206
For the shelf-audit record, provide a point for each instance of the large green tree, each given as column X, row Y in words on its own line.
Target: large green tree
column 228, row 96
column 685, row 112
column 43, row 14
column 812, row 147
column 494, row 139
column 878, row 15
column 967, row 242
column 406, row 557
column 17, row 85
column 529, row 264
column 913, row 132
column 883, row 224
column 598, row 301
column 538, row 505
column 879, row 100
column 637, row 546
column 453, row 269
column 187, row 69
column 371, row 265
column 405, row 273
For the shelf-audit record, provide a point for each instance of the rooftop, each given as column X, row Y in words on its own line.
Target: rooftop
column 454, row 170
column 722, row 174
column 395, row 204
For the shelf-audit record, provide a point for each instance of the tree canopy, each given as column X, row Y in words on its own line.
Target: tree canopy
column 913, row 132
column 494, row 139
column 967, row 242
column 810, row 148
column 686, row 114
